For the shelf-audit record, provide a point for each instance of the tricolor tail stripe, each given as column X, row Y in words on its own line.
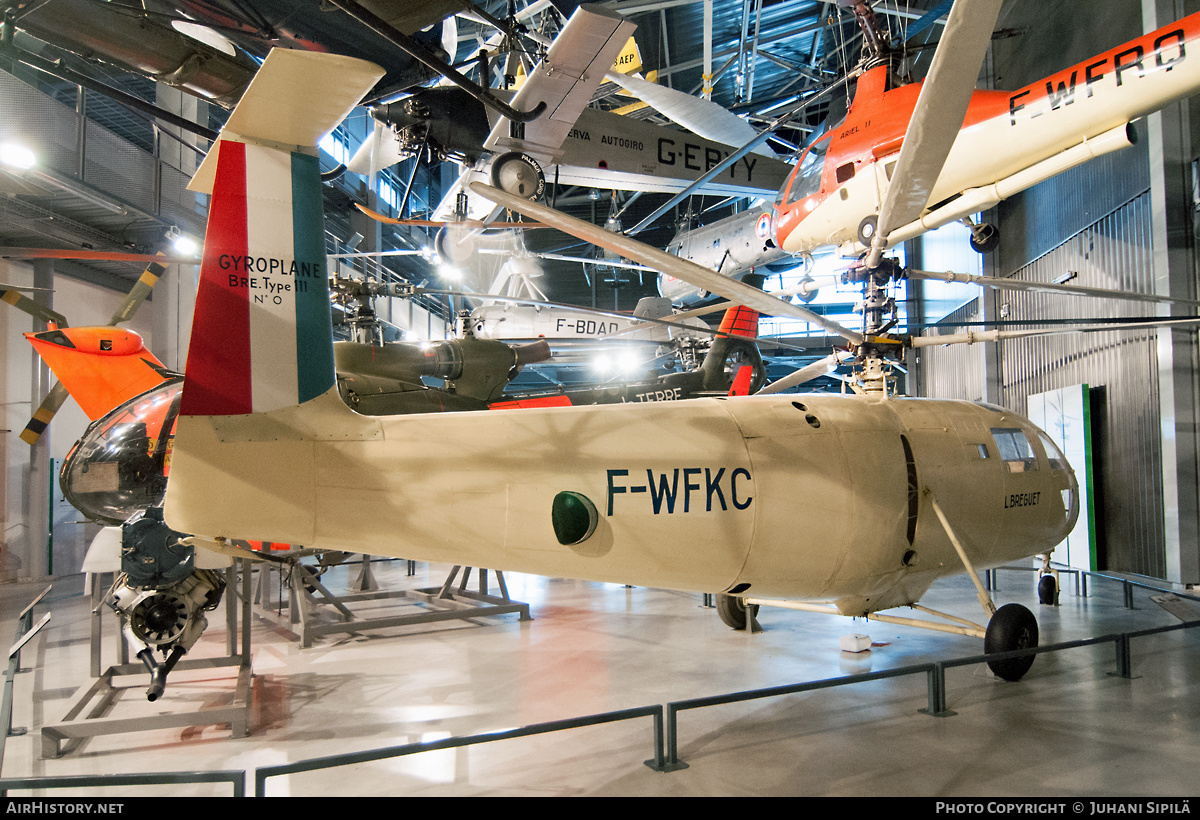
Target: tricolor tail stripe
column 262, row 336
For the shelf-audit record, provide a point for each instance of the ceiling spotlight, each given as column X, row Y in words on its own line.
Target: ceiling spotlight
column 16, row 156
column 183, row 244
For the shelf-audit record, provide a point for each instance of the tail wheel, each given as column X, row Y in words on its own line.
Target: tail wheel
column 1048, row 590
column 985, row 238
column 519, row 174
column 1012, row 627
column 732, row 611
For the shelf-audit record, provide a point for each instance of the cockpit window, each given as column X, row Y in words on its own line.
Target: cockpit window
column 806, row 179
column 122, row 462
column 1054, row 455
column 1016, row 451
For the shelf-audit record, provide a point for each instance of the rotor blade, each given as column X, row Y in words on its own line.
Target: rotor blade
column 45, row 412
column 733, row 157
column 406, row 291
column 821, row 367
column 438, row 223
column 662, row 261
column 971, row 338
column 34, row 309
column 938, row 117
column 1048, row 287
column 702, row 117
column 99, row 256
column 139, row 293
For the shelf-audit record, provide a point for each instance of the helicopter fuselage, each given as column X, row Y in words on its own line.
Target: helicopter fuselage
column 1009, row 141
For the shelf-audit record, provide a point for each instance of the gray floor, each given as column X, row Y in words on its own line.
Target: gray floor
column 1070, row 728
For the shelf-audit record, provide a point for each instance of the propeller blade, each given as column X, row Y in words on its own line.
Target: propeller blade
column 938, row 117
column 662, row 261
column 1048, row 287
column 34, row 309
column 45, row 412
column 139, row 293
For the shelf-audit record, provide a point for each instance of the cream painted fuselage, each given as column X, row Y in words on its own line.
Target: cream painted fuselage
column 798, row 497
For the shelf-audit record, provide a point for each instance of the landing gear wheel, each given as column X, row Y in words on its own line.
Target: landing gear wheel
column 519, row 174
column 985, row 238
column 867, row 229
column 1012, row 627
column 1048, row 590
column 732, row 611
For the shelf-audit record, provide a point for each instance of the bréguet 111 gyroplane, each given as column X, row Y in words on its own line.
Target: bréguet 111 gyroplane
column 858, row 501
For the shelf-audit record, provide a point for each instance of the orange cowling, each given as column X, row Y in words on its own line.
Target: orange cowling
column 101, row 367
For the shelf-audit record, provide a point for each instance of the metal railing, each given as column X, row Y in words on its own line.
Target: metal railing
column 332, row 761
column 25, row 632
column 665, row 753
column 236, row 778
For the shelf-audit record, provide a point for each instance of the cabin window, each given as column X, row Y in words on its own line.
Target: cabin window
column 845, row 173
column 983, row 451
column 914, row 490
column 1016, row 451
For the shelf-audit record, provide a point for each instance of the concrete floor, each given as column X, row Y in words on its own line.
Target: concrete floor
column 1069, row 728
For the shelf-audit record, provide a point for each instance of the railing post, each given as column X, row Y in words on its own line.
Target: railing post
column 658, row 762
column 670, row 762
column 936, row 678
column 1124, row 656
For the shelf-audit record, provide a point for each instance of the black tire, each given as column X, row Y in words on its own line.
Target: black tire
column 985, row 238
column 1048, row 590
column 1012, row 627
column 519, row 174
column 732, row 611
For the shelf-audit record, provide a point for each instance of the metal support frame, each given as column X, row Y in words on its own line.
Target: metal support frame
column 309, row 600
column 26, row 630
column 81, row 722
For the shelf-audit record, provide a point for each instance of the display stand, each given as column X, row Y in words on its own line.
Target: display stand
column 309, row 598
column 98, row 697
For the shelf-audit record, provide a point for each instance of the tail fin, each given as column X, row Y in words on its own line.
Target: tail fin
column 261, row 336
column 734, row 364
column 740, row 321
